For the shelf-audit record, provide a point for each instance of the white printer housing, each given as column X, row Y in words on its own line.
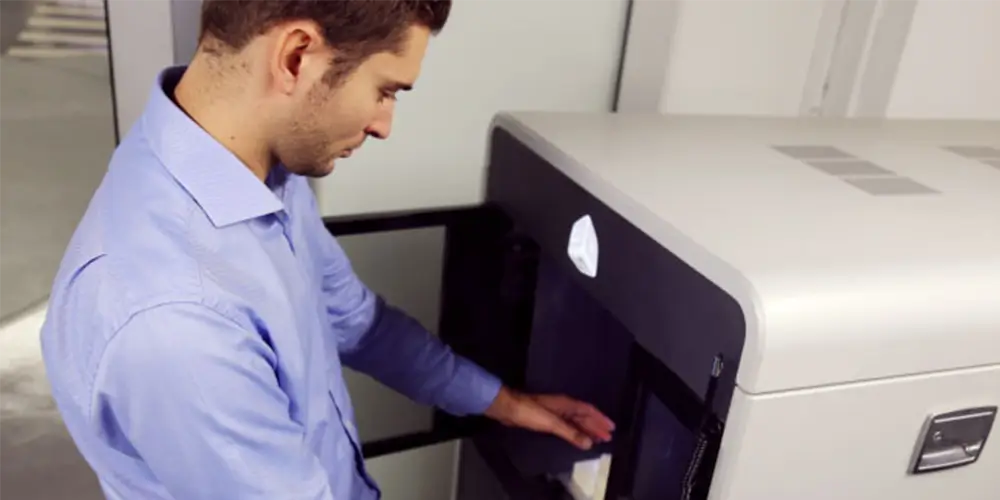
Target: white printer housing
column 865, row 257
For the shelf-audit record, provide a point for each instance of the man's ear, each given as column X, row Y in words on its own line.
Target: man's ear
column 299, row 56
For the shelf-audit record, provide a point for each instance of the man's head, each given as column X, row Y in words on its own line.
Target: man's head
column 322, row 74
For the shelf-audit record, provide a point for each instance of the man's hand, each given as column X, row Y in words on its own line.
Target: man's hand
column 577, row 422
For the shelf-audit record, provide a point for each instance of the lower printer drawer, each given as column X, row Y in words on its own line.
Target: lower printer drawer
column 485, row 472
column 662, row 449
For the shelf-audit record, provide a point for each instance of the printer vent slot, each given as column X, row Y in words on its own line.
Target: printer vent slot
column 862, row 174
column 993, row 163
column 811, row 152
column 975, row 152
column 986, row 154
column 891, row 186
column 849, row 168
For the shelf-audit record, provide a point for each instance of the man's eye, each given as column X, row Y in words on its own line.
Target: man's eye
column 388, row 97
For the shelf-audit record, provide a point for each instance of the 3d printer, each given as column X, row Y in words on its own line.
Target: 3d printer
column 779, row 308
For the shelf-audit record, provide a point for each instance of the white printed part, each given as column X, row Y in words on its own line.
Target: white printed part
column 585, row 476
column 583, row 247
column 589, row 478
column 603, row 469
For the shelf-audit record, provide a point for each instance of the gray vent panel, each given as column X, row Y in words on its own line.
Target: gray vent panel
column 975, row 152
column 813, row 152
column 845, row 168
column 862, row 174
column 891, row 186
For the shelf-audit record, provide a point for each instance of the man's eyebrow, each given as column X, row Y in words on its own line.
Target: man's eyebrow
column 399, row 86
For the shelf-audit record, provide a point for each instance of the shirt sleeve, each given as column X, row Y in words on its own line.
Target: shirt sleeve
column 195, row 396
column 382, row 341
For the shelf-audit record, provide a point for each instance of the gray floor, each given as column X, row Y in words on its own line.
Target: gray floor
column 38, row 461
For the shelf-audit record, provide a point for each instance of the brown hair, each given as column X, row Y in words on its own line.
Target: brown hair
column 357, row 29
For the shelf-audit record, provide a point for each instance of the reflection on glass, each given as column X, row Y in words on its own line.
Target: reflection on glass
column 57, row 133
column 664, row 454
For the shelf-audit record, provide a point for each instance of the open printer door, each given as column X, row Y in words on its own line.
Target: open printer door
column 514, row 301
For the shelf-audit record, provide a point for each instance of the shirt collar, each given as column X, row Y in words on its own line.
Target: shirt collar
column 222, row 185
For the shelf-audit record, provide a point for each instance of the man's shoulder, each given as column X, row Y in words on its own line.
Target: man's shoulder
column 136, row 239
column 95, row 295
column 134, row 248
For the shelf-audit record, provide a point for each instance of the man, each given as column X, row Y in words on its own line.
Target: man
column 199, row 321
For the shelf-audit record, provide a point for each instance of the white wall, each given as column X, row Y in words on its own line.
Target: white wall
column 141, row 46
column 493, row 55
column 897, row 58
column 950, row 66
column 740, row 56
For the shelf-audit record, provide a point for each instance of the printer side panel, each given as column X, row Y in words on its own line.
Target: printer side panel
column 855, row 441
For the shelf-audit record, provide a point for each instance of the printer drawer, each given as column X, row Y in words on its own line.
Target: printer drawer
column 485, row 472
column 659, row 452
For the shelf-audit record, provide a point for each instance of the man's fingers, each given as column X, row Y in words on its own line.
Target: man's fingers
column 595, row 427
column 597, row 423
column 547, row 421
column 578, row 423
column 571, row 434
column 584, row 415
column 593, row 417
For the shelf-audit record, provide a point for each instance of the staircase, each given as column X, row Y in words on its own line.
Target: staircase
column 62, row 28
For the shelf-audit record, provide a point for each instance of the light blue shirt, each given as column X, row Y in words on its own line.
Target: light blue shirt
column 199, row 323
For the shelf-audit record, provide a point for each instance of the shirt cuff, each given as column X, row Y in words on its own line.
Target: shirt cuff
column 471, row 391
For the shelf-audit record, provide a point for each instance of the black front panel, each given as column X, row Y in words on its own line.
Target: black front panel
column 662, row 454
column 683, row 319
column 578, row 349
column 669, row 438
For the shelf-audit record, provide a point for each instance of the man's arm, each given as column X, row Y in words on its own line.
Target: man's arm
column 382, row 341
column 195, row 396
column 377, row 339
column 392, row 347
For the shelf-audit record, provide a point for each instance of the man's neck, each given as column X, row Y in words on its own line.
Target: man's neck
column 208, row 101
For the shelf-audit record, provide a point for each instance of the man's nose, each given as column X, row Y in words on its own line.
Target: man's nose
column 381, row 127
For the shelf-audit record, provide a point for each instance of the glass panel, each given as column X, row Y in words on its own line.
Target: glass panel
column 405, row 267
column 57, row 132
column 665, row 449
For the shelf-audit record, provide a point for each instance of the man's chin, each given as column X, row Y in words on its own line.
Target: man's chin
column 321, row 170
